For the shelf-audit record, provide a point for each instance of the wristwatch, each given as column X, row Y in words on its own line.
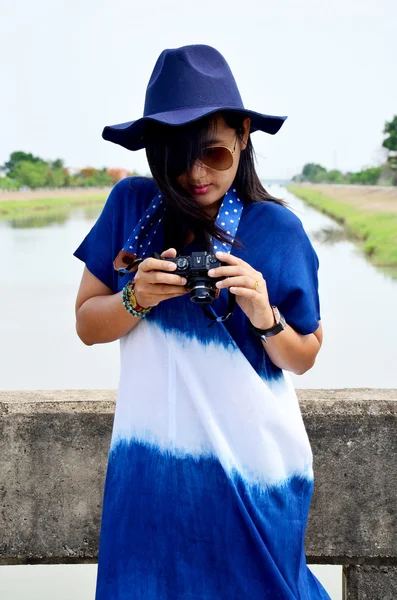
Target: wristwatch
column 277, row 328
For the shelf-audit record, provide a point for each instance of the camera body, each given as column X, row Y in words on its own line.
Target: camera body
column 195, row 268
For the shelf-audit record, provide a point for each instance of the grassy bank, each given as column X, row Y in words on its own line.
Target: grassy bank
column 376, row 231
column 20, row 209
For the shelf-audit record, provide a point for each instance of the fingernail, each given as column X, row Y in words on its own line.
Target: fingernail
column 218, row 284
column 184, row 281
column 171, row 266
column 211, row 272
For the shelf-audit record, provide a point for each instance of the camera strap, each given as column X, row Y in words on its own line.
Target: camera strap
column 140, row 243
column 228, row 219
column 211, row 314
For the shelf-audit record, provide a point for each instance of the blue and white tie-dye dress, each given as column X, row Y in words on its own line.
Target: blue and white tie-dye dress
column 210, row 476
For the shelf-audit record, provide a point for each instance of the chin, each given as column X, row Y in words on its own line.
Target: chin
column 205, row 200
column 209, row 198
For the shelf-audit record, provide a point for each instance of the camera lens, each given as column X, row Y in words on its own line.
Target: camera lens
column 202, row 293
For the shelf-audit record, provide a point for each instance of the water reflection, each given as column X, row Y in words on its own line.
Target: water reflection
column 389, row 271
column 334, row 235
column 39, row 221
column 331, row 235
column 91, row 213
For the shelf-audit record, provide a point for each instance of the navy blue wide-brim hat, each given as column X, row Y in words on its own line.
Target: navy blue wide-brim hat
column 187, row 84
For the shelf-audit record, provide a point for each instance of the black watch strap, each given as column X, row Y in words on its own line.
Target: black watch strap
column 277, row 328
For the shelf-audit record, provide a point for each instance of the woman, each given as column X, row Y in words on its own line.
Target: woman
column 210, row 470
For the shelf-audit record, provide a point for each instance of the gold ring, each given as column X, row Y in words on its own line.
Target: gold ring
column 255, row 284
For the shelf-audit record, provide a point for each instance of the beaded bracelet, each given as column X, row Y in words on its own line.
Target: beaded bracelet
column 130, row 303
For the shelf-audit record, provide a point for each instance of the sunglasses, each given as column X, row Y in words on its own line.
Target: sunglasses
column 217, row 158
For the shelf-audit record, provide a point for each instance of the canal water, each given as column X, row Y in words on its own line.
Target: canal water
column 40, row 349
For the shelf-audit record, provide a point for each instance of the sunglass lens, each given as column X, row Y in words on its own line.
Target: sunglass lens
column 217, row 158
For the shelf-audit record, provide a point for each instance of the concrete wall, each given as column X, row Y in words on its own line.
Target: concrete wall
column 53, row 454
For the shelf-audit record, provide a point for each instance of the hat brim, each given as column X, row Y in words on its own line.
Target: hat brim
column 130, row 135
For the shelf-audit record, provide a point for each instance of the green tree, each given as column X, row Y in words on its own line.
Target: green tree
column 91, row 177
column 57, row 177
column 391, row 144
column 8, row 184
column 335, row 176
column 314, row 173
column 391, row 130
column 34, row 175
column 366, row 176
column 18, row 157
column 57, row 164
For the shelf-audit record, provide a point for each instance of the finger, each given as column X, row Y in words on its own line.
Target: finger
column 155, row 264
column 229, row 258
column 246, row 293
column 230, row 271
column 166, row 290
column 155, row 277
column 181, row 292
column 243, row 281
column 170, row 253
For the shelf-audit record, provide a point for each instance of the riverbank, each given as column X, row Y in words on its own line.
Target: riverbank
column 369, row 213
column 20, row 205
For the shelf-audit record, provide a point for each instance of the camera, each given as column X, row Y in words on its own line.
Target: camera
column 195, row 268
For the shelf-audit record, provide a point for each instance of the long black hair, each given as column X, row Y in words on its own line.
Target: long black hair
column 171, row 151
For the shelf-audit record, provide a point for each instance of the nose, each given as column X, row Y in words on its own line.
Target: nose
column 197, row 170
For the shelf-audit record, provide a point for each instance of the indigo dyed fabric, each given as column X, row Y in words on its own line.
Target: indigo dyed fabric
column 210, row 476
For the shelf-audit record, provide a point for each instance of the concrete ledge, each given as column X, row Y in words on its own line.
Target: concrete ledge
column 370, row 583
column 54, row 445
column 54, row 449
column 353, row 434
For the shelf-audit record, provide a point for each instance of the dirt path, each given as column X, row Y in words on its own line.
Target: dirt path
column 365, row 197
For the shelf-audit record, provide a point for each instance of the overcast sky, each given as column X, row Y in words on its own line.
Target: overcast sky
column 69, row 68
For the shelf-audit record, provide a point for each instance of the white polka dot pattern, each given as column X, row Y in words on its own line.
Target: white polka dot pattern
column 142, row 236
column 229, row 221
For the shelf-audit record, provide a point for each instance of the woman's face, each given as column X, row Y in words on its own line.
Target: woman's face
column 207, row 186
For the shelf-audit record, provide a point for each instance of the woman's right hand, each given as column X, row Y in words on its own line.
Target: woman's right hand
column 155, row 282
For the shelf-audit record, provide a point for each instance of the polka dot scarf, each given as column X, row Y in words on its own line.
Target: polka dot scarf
column 140, row 241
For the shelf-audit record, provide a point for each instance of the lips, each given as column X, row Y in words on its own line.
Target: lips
column 200, row 189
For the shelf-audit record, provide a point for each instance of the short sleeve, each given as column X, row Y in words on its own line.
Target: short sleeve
column 96, row 250
column 124, row 207
column 298, row 298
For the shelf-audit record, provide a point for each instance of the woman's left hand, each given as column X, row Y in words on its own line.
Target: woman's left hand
column 249, row 288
